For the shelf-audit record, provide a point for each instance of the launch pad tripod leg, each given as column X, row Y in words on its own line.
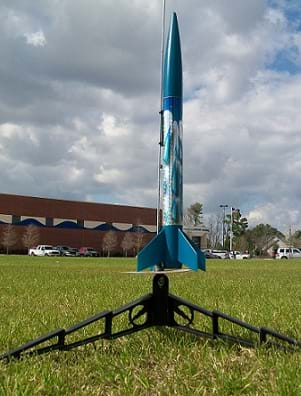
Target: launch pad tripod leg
column 159, row 308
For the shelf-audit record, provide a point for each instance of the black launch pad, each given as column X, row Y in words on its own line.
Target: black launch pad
column 159, row 308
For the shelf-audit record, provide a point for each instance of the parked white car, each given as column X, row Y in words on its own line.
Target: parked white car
column 237, row 255
column 224, row 254
column 288, row 253
column 43, row 250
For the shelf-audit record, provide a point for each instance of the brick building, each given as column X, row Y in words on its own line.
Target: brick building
column 73, row 223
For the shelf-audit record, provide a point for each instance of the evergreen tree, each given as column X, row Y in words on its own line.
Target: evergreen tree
column 194, row 215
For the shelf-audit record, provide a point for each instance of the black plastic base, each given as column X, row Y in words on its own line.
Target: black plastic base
column 159, row 308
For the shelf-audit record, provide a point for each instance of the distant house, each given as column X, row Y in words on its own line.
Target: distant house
column 275, row 242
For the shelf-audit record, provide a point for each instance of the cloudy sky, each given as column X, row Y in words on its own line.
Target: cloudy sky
column 80, row 96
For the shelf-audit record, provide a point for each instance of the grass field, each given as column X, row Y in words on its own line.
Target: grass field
column 41, row 294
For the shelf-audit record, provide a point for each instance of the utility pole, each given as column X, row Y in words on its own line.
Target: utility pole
column 223, row 207
column 231, row 229
column 290, row 236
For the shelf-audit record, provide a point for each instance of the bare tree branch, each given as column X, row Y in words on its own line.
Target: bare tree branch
column 31, row 236
column 9, row 237
column 127, row 243
column 109, row 242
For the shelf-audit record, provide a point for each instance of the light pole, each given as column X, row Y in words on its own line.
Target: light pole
column 231, row 230
column 223, row 207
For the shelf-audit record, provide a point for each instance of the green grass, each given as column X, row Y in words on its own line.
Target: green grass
column 41, row 294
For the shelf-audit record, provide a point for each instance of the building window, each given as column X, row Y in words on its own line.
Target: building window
column 16, row 219
column 80, row 223
column 49, row 222
column 197, row 241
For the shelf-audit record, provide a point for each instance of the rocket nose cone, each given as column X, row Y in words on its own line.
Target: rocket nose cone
column 174, row 19
column 172, row 72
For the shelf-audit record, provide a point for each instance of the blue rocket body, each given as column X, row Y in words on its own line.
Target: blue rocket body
column 171, row 248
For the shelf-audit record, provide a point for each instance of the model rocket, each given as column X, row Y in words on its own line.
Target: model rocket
column 171, row 248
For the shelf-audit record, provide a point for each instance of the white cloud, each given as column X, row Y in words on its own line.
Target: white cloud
column 283, row 219
column 37, row 39
column 79, row 119
column 10, row 132
column 110, row 127
column 108, row 175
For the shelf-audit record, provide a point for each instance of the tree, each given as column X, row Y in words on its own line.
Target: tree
column 138, row 236
column 193, row 215
column 294, row 239
column 239, row 223
column 239, row 227
column 262, row 237
column 127, row 243
column 109, row 242
column 9, row 237
column 31, row 236
column 139, row 239
column 241, row 243
column 297, row 234
column 214, row 231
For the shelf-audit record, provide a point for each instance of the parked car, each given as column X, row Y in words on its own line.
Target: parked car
column 43, row 250
column 237, row 255
column 76, row 252
column 224, row 254
column 287, row 253
column 88, row 252
column 67, row 251
column 210, row 255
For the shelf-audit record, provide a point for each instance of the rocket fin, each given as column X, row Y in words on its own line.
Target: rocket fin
column 189, row 255
column 153, row 253
column 156, row 253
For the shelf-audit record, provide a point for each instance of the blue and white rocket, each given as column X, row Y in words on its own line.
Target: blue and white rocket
column 171, row 248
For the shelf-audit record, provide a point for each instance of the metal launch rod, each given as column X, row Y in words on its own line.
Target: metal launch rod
column 161, row 119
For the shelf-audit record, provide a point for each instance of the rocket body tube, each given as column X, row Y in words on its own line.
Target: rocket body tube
column 172, row 161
